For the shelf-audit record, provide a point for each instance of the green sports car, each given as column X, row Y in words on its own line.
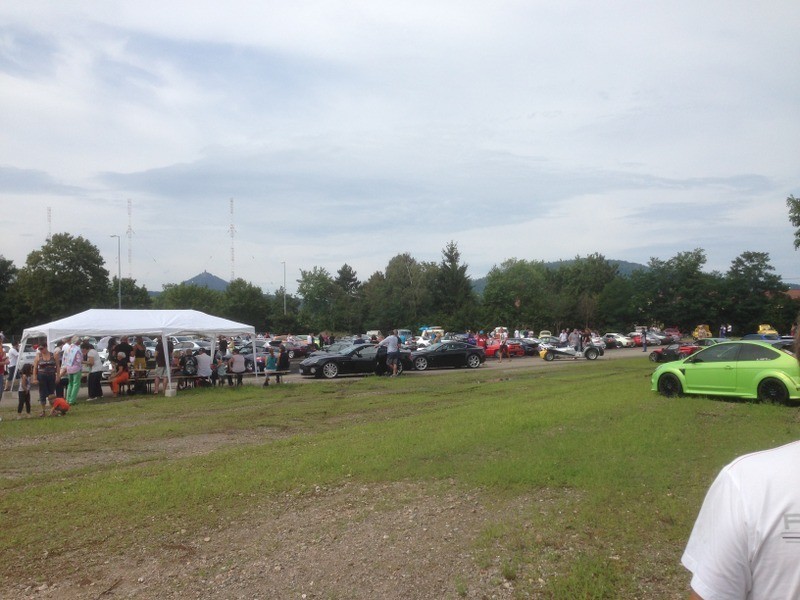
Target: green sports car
column 755, row 370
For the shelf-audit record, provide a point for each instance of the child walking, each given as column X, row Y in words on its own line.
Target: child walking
column 25, row 391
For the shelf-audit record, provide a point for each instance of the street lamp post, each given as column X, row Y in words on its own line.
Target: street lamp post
column 284, row 286
column 119, row 271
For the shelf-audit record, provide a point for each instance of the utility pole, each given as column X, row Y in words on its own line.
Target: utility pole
column 119, row 270
column 284, row 286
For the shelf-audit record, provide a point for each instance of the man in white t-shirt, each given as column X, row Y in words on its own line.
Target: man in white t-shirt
column 392, row 343
column 746, row 541
column 203, row 363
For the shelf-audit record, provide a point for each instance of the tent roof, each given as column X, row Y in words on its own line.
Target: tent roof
column 100, row 322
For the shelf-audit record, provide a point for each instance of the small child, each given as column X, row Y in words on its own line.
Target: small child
column 25, row 390
column 60, row 407
column 271, row 365
column 222, row 373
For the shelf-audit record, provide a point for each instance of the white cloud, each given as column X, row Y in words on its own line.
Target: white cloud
column 337, row 125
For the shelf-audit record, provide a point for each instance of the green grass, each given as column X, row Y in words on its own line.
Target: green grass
column 618, row 471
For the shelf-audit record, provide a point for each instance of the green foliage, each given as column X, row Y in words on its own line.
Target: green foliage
column 65, row 277
column 316, row 288
column 244, row 302
column 186, row 296
column 348, row 308
column 678, row 292
column 793, row 204
column 752, row 287
column 133, row 296
column 516, row 293
column 11, row 318
column 452, row 293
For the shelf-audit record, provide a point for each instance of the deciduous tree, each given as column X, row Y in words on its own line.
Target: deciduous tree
column 67, row 275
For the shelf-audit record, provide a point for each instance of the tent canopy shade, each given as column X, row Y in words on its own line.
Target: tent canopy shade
column 114, row 322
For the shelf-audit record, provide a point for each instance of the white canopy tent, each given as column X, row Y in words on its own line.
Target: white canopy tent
column 100, row 322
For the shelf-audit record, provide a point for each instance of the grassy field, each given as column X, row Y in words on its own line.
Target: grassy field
column 606, row 477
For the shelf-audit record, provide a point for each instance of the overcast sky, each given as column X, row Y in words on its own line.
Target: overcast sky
column 354, row 131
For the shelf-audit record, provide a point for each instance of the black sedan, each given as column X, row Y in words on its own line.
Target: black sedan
column 355, row 359
column 448, row 354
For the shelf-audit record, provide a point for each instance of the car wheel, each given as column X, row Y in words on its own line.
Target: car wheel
column 549, row 356
column 473, row 361
column 291, row 353
column 772, row 390
column 655, row 356
column 669, row 385
column 591, row 354
column 682, row 355
column 420, row 363
column 330, row 370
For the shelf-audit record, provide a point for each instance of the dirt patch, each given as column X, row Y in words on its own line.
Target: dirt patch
column 399, row 540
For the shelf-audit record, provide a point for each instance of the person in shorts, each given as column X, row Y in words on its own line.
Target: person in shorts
column 392, row 343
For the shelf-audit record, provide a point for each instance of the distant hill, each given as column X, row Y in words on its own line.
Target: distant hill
column 625, row 269
column 208, row 280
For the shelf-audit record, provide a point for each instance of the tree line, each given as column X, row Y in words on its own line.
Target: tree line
column 67, row 275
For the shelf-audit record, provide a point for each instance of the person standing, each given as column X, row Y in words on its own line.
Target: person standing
column 123, row 348
column 3, row 364
column 45, row 366
column 392, row 343
column 95, row 377
column 744, row 541
column 161, row 367
column 139, row 356
column 24, row 393
column 11, row 370
column 62, row 381
column 72, row 367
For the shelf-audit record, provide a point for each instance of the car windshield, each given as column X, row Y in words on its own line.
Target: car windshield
column 435, row 347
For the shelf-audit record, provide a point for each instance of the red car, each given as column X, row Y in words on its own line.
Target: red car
column 513, row 349
column 673, row 352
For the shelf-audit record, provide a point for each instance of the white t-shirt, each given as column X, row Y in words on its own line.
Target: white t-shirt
column 97, row 365
column 391, row 342
column 746, row 541
column 203, row 364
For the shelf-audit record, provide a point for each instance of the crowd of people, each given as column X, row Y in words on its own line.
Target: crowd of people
column 58, row 370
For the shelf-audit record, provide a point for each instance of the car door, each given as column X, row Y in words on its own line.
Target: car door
column 712, row 370
column 752, row 360
column 451, row 354
column 362, row 360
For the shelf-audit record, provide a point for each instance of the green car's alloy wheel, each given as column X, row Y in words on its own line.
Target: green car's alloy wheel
column 669, row 385
column 772, row 390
